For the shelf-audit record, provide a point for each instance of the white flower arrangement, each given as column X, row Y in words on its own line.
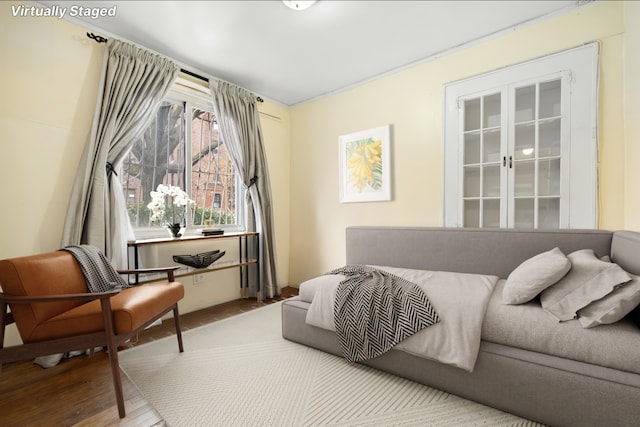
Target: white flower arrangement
column 157, row 206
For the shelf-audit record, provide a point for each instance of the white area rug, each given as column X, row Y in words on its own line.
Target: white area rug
column 240, row 372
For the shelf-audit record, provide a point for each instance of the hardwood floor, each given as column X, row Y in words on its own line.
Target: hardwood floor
column 79, row 390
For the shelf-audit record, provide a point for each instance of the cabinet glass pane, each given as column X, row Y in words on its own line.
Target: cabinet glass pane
column 472, row 181
column 471, row 213
column 550, row 95
column 525, row 141
column 549, row 177
column 524, row 178
column 549, row 141
column 525, row 103
column 491, row 213
column 549, row 213
column 491, row 146
column 472, row 114
column 491, row 111
column 471, row 148
column 491, row 181
column 523, row 214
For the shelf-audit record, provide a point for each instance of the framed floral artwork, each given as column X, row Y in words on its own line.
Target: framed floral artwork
column 365, row 166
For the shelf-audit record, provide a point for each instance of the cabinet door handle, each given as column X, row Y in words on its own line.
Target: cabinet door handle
column 504, row 161
column 510, row 162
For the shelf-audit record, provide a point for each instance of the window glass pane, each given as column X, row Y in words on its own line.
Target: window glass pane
column 549, row 213
column 524, row 178
column 549, row 142
column 550, row 95
column 491, row 146
column 549, row 177
column 170, row 148
column 472, row 114
column 156, row 157
column 491, row 111
column 471, row 148
column 525, row 103
column 491, row 181
column 472, row 181
column 491, row 213
column 523, row 215
column 213, row 179
column 525, row 142
column 471, row 213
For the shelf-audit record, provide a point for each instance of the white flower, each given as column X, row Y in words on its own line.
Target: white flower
column 157, row 206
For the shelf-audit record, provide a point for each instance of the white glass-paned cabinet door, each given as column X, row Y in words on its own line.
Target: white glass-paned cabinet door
column 538, row 154
column 482, row 173
column 520, row 147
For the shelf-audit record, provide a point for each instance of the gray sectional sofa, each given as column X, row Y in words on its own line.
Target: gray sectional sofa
column 559, row 374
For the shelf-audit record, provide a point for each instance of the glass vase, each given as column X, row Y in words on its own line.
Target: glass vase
column 175, row 230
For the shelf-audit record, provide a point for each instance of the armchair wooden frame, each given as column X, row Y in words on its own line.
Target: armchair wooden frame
column 106, row 338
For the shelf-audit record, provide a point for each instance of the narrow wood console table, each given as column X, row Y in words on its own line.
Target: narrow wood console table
column 242, row 263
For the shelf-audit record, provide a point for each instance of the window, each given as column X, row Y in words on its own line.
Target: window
column 182, row 148
column 520, row 145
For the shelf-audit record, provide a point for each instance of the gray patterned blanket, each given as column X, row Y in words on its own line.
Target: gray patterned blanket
column 98, row 271
column 374, row 310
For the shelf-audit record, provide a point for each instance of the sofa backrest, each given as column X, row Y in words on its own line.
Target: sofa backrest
column 625, row 250
column 41, row 275
column 480, row 251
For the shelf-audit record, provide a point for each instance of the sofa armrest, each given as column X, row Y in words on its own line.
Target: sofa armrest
column 5, row 300
column 86, row 297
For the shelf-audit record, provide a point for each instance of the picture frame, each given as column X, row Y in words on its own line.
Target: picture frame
column 365, row 165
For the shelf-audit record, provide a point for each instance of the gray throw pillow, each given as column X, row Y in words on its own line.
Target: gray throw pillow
column 534, row 276
column 612, row 307
column 589, row 279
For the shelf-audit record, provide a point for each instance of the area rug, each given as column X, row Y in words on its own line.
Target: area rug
column 240, row 372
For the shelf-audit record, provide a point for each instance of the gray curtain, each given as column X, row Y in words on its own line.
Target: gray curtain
column 133, row 83
column 240, row 130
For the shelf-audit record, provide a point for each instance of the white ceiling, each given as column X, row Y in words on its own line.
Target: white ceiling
column 294, row 56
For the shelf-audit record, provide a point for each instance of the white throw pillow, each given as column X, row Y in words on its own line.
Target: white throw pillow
column 307, row 290
column 613, row 307
column 589, row 279
column 534, row 276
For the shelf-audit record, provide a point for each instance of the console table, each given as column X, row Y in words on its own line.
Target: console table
column 242, row 263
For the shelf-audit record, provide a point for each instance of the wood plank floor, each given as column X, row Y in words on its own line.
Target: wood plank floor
column 79, row 391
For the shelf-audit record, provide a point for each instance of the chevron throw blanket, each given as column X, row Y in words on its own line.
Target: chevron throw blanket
column 374, row 310
column 98, row 271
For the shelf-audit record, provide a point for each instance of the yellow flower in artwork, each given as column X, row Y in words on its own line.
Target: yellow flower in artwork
column 365, row 164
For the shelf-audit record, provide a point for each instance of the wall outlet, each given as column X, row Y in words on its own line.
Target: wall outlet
column 198, row 279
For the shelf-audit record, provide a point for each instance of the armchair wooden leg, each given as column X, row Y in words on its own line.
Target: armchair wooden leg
column 112, row 348
column 176, row 320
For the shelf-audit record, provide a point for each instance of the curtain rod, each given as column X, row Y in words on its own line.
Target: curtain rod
column 100, row 39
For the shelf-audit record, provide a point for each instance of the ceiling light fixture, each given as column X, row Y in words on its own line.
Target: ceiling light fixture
column 298, row 4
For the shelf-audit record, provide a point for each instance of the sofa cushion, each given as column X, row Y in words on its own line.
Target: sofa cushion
column 527, row 326
column 132, row 308
column 612, row 307
column 588, row 280
column 534, row 276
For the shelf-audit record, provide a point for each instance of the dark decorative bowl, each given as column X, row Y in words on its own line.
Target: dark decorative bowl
column 201, row 260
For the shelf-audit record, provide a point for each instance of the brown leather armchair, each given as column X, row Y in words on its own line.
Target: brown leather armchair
column 54, row 312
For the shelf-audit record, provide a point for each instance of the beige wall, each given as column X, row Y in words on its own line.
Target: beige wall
column 48, row 84
column 631, row 110
column 48, row 81
column 411, row 101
